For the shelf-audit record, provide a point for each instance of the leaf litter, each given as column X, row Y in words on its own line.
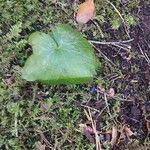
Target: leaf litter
column 131, row 89
column 131, row 112
column 86, row 12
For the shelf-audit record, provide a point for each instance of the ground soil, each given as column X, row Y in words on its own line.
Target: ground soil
column 127, row 72
column 134, row 82
column 135, row 68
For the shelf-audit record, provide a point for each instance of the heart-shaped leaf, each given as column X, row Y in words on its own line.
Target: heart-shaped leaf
column 61, row 57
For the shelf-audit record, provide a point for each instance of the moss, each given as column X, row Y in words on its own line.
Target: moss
column 22, row 114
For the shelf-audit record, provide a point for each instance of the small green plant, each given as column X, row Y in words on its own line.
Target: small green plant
column 61, row 57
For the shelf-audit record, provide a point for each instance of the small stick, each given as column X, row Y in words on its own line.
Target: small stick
column 104, row 56
column 110, row 43
column 44, row 139
column 90, row 108
column 144, row 54
column 87, row 115
column 101, row 112
column 16, row 126
column 121, row 47
column 98, row 145
column 106, row 102
column 115, row 97
column 126, row 29
column 99, row 29
column 120, row 44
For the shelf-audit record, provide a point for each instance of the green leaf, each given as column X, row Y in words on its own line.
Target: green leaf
column 61, row 57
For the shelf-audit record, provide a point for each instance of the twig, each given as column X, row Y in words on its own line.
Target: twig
column 110, row 43
column 143, row 22
column 115, row 97
column 125, row 45
column 104, row 56
column 87, row 115
column 148, row 44
column 144, row 54
column 125, row 26
column 90, row 108
column 34, row 95
column 101, row 112
column 121, row 99
column 42, row 118
column 121, row 47
column 119, row 44
column 99, row 29
column 16, row 125
column 116, row 10
column 98, row 145
column 45, row 140
column 147, row 118
column 107, row 106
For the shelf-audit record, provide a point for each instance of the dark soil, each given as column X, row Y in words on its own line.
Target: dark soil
column 127, row 72
column 132, row 84
column 134, row 65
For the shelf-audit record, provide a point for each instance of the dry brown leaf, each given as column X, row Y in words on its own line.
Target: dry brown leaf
column 114, row 136
column 84, row 127
column 85, row 12
column 88, row 132
column 111, row 92
column 128, row 132
column 39, row 146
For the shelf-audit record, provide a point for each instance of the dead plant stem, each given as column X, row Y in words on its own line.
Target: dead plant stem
column 98, row 145
column 117, row 11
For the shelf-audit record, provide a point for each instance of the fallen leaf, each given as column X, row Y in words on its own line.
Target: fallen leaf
column 85, row 12
column 114, row 136
column 39, row 146
column 111, row 92
column 60, row 57
column 84, row 127
column 88, row 132
column 128, row 132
